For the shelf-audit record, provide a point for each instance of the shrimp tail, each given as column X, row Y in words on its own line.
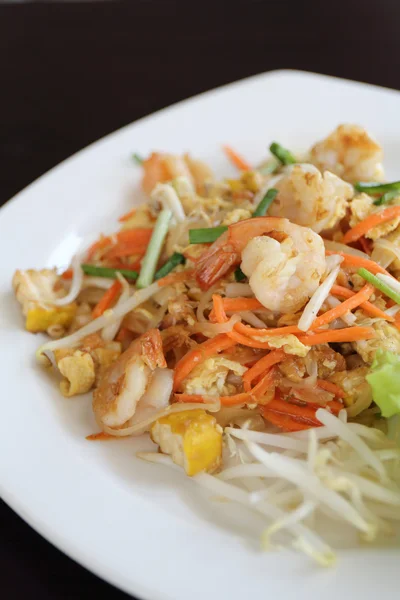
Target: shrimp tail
column 215, row 262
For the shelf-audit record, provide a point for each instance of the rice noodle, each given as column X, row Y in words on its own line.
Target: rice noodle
column 233, row 290
column 106, row 319
column 319, row 296
column 109, row 332
column 337, row 247
column 173, row 408
column 76, row 284
column 98, row 282
column 213, row 329
column 252, row 319
column 383, row 244
column 205, row 299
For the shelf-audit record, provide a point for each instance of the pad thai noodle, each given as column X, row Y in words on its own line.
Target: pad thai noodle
column 251, row 327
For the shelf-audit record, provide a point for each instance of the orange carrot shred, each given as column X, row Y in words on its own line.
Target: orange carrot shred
column 107, row 299
column 368, row 307
column 236, row 159
column 127, row 215
column 348, row 334
column 101, row 436
column 262, row 365
column 371, row 221
column 350, row 260
column 344, row 307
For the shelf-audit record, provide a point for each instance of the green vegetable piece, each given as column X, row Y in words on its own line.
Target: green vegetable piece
column 384, row 379
column 282, row 154
column 137, row 158
column 387, row 197
column 239, row 275
column 153, row 251
column 108, row 272
column 174, row 260
column 265, row 203
column 206, row 235
column 376, row 188
column 380, row 285
column 269, row 168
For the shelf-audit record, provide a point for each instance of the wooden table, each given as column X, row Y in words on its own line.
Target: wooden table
column 71, row 73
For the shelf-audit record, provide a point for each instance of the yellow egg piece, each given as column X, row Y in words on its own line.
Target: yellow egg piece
column 192, row 438
column 41, row 318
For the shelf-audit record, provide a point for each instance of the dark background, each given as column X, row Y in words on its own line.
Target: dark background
column 71, row 73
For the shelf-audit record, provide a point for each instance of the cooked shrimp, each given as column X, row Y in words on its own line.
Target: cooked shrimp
column 351, row 153
column 123, row 394
column 307, row 197
column 159, row 168
column 284, row 262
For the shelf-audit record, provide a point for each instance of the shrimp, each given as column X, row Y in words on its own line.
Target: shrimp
column 159, row 168
column 309, row 198
column 135, row 386
column 351, row 153
column 284, row 261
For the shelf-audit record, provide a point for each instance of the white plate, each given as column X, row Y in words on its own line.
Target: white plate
column 141, row 527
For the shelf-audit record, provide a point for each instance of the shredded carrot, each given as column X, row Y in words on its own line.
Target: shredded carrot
column 262, row 386
column 302, row 412
column 107, row 299
column 239, row 304
column 262, row 365
column 126, row 236
column 274, row 331
column 68, row 274
column 284, row 422
column 371, row 221
column 344, row 307
column 203, row 351
column 176, row 277
column 331, row 387
column 233, row 400
column 365, row 244
column 349, row 334
column 236, row 159
column 127, row 215
column 368, row 307
column 101, row 436
column 247, row 341
column 350, row 260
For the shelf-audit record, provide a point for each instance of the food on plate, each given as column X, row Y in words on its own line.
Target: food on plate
column 251, row 327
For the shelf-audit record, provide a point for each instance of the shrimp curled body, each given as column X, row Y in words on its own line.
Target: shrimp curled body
column 283, row 261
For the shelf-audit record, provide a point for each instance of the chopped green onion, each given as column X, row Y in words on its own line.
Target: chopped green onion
column 239, row 275
column 269, row 168
column 380, row 285
column 282, row 154
column 206, row 235
column 387, row 197
column 376, row 188
column 153, row 251
column 174, row 260
column 265, row 203
column 108, row 272
column 137, row 158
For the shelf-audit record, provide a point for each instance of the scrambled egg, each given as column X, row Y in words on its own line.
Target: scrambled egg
column 290, row 344
column 387, row 338
column 209, row 377
column 83, row 367
column 192, row 438
column 236, row 215
column 362, row 206
column 141, row 217
column 353, row 383
column 36, row 292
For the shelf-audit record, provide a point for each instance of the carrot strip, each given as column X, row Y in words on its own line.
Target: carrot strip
column 127, row 215
column 124, row 236
column 236, row 159
column 203, row 351
column 372, row 221
column 262, row 365
column 262, row 386
column 332, row 388
column 254, row 332
column 344, row 307
column 175, row 277
column 284, row 422
column 365, row 244
column 305, row 413
column 349, row 334
column 68, row 274
column 368, row 307
column 358, row 261
column 101, row 436
column 107, row 299
column 225, row 400
column 247, row 341
column 239, row 304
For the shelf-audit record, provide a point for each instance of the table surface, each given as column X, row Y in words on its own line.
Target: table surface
column 71, row 73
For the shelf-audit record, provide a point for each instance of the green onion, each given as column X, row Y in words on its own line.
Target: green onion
column 174, row 260
column 380, row 285
column 137, row 158
column 376, row 188
column 153, row 251
column 108, row 272
column 239, row 275
column 265, row 203
column 282, row 154
column 206, row 235
column 386, row 198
